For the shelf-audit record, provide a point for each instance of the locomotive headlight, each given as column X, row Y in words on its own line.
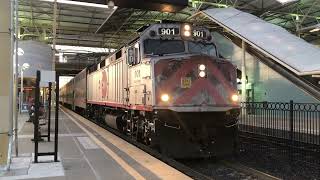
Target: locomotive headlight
column 235, row 98
column 202, row 74
column 165, row 97
column 187, row 27
column 186, row 30
column 202, row 67
column 187, row 33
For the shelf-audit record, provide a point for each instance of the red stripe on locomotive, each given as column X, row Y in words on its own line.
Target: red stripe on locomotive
column 215, row 89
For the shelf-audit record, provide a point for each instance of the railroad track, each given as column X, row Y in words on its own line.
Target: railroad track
column 191, row 169
column 228, row 170
column 255, row 173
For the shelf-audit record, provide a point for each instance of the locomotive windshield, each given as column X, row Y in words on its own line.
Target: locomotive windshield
column 202, row 48
column 168, row 39
column 161, row 47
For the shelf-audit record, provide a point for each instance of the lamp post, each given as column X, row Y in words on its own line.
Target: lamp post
column 24, row 67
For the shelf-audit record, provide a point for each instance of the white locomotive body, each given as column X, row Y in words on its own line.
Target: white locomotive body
column 168, row 88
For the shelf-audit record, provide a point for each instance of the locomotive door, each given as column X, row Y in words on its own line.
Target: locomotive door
column 139, row 78
column 136, row 88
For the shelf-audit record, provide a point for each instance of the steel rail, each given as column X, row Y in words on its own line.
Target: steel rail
column 248, row 170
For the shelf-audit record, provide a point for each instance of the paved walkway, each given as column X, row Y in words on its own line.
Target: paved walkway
column 86, row 151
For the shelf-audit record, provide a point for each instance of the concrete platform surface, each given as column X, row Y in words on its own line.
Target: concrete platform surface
column 86, row 151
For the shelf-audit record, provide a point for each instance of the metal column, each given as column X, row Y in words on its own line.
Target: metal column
column 54, row 34
column 49, row 111
column 21, row 88
column 243, row 74
column 36, row 119
column 56, row 126
column 16, row 76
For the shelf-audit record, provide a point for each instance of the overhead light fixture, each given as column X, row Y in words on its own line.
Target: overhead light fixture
column 286, row 1
column 79, row 3
column 311, row 29
column 315, row 30
column 25, row 66
column 20, row 52
column 111, row 4
column 82, row 49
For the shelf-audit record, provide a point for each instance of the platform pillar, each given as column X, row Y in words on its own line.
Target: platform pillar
column 6, row 78
column 243, row 74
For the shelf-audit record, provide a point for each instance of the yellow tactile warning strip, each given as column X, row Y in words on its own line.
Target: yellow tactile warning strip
column 159, row 168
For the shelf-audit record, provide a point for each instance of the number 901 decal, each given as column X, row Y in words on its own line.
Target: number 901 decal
column 168, row 31
column 199, row 33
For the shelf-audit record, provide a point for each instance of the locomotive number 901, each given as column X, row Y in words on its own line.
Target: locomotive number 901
column 168, row 31
column 199, row 33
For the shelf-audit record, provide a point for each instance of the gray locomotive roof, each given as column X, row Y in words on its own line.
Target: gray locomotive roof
column 292, row 52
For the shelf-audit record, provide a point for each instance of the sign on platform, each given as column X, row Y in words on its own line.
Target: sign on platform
column 48, row 76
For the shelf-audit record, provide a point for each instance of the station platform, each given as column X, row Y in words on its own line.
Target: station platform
column 86, row 151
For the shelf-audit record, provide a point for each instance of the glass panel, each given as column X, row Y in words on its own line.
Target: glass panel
column 202, row 48
column 161, row 47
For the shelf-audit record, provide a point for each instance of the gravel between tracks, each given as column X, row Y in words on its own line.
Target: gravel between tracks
column 279, row 161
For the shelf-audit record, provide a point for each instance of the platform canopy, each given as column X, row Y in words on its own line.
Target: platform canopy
column 274, row 41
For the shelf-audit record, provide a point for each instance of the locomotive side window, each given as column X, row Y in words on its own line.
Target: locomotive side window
column 130, row 56
column 133, row 55
column 118, row 54
column 136, row 54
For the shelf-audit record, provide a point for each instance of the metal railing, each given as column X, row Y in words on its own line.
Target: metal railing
column 289, row 123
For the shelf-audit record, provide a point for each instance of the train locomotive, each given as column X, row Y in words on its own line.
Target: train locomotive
column 168, row 88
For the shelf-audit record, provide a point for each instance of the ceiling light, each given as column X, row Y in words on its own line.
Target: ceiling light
column 286, row 1
column 315, row 30
column 82, row 49
column 312, row 28
column 20, row 52
column 79, row 3
column 25, row 65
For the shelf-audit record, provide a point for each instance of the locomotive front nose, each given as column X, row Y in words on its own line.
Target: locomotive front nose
column 195, row 81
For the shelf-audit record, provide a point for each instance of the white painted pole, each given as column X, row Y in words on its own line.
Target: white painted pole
column 54, row 40
column 11, row 101
column 21, row 89
column 243, row 74
column 16, row 74
column 54, row 33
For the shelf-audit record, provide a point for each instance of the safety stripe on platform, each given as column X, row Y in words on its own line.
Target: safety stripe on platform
column 60, row 135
